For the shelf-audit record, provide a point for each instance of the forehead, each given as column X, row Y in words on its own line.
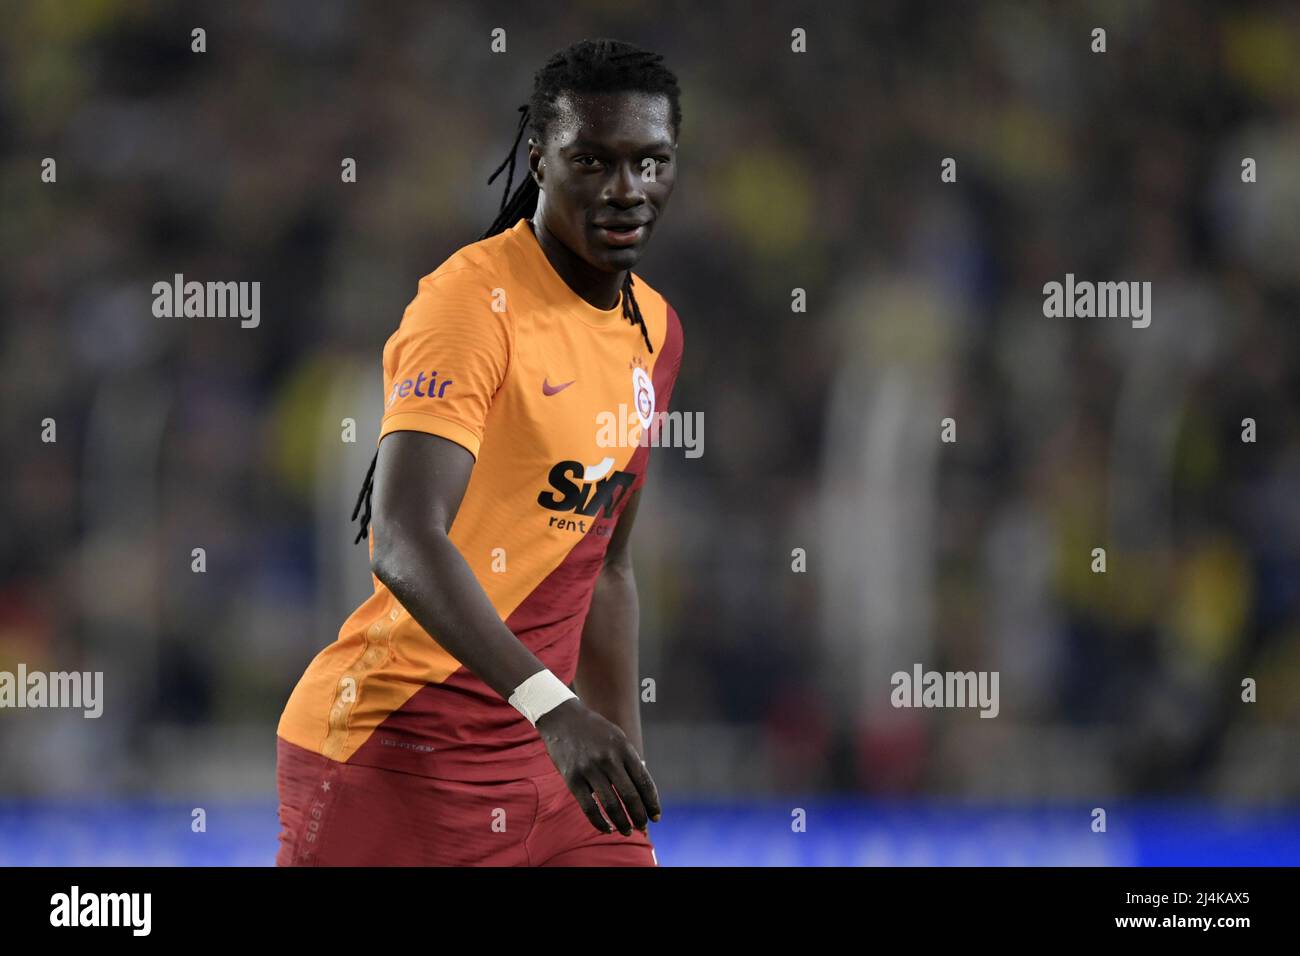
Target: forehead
column 612, row 119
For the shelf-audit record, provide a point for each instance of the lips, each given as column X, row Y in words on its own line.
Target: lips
column 625, row 233
column 621, row 223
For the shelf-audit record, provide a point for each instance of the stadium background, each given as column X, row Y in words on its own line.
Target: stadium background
column 818, row 171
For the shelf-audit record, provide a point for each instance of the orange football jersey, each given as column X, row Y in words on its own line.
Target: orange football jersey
column 552, row 396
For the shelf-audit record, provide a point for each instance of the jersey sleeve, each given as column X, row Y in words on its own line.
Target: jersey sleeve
column 665, row 377
column 447, row 360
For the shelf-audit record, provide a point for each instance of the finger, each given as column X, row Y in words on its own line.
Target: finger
column 604, row 792
column 645, row 786
column 582, row 793
column 627, row 793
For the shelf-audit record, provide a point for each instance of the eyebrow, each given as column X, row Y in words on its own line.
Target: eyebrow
column 592, row 145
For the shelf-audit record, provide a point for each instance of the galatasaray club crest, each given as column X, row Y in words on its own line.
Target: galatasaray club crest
column 643, row 394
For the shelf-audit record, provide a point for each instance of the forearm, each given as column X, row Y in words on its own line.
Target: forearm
column 430, row 578
column 608, row 671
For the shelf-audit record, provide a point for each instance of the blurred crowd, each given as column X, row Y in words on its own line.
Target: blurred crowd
column 817, row 171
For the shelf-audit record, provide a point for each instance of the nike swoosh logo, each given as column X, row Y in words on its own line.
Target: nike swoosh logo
column 548, row 389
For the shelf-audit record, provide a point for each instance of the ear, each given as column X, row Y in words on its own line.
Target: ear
column 535, row 161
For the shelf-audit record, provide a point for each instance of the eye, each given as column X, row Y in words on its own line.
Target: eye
column 582, row 160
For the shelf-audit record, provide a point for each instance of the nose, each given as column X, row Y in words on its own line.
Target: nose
column 625, row 187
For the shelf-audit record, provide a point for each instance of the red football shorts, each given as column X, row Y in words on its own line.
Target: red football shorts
column 339, row 814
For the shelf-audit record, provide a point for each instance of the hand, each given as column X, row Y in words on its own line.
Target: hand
column 598, row 762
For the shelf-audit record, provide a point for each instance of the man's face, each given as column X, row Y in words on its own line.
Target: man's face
column 606, row 172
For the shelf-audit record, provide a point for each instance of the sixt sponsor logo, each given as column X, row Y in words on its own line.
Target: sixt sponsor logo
column 421, row 386
column 584, row 490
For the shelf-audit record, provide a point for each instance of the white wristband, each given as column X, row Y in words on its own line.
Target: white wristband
column 538, row 694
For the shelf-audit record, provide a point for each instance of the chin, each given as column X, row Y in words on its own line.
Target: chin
column 616, row 260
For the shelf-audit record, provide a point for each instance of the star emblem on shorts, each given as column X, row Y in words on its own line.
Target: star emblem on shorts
column 325, row 785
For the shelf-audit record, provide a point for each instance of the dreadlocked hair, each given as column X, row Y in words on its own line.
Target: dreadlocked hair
column 589, row 66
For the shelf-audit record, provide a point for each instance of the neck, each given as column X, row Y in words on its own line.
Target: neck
column 599, row 288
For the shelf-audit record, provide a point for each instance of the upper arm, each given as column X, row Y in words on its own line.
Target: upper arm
column 420, row 481
column 619, row 551
column 447, row 360
column 443, row 368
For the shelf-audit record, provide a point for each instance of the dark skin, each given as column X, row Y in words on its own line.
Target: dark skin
column 589, row 171
column 593, row 169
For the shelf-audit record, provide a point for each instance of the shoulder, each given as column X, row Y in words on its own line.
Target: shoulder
column 455, row 307
column 662, row 322
column 466, row 289
column 476, row 266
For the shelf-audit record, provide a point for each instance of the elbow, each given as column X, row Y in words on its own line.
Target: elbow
column 384, row 559
column 380, row 559
column 404, row 551
column 617, row 566
column 378, row 568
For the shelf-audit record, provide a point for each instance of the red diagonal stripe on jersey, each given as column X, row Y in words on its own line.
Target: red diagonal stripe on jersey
column 548, row 621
